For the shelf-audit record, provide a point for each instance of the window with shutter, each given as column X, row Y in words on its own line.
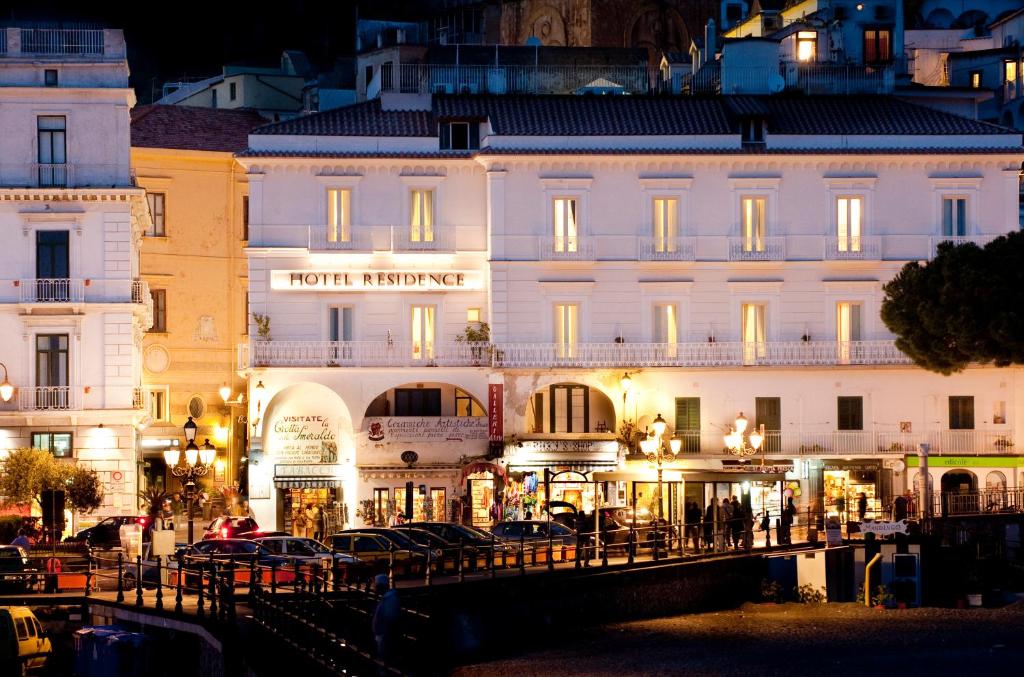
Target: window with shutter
column 961, row 412
column 688, row 423
column 851, row 413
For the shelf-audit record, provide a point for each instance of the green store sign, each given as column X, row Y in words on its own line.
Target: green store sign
column 969, row 461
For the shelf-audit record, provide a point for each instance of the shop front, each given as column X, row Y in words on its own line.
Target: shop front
column 969, row 484
column 760, row 488
column 843, row 483
column 311, row 499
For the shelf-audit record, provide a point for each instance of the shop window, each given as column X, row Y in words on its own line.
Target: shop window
column 419, row 503
column 437, row 508
column 465, row 405
column 570, row 409
column 380, row 506
column 417, row 401
column 851, row 413
column 58, row 444
column 961, row 412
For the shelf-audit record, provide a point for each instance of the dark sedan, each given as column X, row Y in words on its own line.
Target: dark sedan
column 533, row 531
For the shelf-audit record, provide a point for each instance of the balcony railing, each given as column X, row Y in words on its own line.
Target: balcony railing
column 362, row 354
column 565, row 248
column 667, row 249
column 825, row 78
column 980, row 240
column 757, row 248
column 138, row 397
column 53, row 175
column 52, row 290
column 457, row 79
column 360, row 239
column 439, row 239
column 853, row 248
column 50, row 398
column 717, row 354
column 140, row 292
column 61, row 41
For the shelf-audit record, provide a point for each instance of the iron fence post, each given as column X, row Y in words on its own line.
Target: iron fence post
column 181, row 574
column 120, row 577
column 159, row 583
column 551, row 548
column 213, row 588
column 138, row 580
column 462, row 571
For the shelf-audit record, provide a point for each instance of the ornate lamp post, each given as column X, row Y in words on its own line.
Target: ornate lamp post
column 659, row 452
column 6, row 388
column 741, row 444
column 189, row 465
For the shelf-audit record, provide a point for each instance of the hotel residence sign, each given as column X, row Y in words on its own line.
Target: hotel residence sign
column 375, row 280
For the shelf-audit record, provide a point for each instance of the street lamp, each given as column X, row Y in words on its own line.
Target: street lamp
column 6, row 389
column 743, row 445
column 659, row 453
column 225, row 392
column 190, row 465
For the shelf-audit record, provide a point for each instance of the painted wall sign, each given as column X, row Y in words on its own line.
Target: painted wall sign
column 969, row 461
column 761, row 469
column 495, row 411
column 426, row 428
column 375, row 280
column 298, row 438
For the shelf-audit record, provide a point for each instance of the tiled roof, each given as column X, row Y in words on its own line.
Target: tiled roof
column 361, row 119
column 193, row 128
column 746, row 150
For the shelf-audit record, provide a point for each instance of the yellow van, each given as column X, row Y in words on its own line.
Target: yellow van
column 23, row 645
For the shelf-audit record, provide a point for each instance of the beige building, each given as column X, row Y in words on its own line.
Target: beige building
column 193, row 260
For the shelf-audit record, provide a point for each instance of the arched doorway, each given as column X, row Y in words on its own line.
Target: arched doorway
column 959, row 495
column 959, row 481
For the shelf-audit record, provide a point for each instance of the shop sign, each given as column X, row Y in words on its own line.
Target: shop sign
column 303, row 439
column 307, row 470
column 850, row 465
column 495, row 410
column 969, row 461
column 375, row 280
column 884, row 528
column 761, row 469
column 426, row 428
column 583, row 446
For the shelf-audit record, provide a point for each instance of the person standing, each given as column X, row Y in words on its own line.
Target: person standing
column 862, row 506
column 722, row 526
column 785, row 532
column 386, row 618
column 709, row 524
column 22, row 541
column 298, row 522
column 312, row 514
column 736, row 522
column 693, row 524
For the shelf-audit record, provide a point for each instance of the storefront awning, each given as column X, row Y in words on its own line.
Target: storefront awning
column 482, row 466
column 307, row 483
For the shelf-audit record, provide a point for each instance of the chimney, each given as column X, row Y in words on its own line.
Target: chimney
column 710, row 36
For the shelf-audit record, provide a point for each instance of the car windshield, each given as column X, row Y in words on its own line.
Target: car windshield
column 399, row 538
column 471, row 532
column 315, row 546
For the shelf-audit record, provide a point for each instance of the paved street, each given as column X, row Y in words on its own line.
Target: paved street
column 788, row 639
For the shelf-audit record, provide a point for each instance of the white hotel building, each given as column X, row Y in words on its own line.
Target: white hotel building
column 72, row 309
column 727, row 252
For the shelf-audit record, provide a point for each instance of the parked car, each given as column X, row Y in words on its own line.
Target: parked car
column 240, row 550
column 232, row 527
column 305, row 550
column 107, row 534
column 14, row 564
column 400, row 538
column 377, row 550
column 476, row 543
column 533, row 531
column 614, row 534
column 24, row 645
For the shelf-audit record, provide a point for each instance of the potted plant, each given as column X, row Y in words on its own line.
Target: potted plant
column 262, row 336
column 476, row 334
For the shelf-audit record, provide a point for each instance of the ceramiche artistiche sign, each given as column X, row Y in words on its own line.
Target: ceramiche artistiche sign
column 298, row 438
column 426, row 428
column 375, row 280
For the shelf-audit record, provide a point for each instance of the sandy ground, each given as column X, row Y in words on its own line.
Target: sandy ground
column 788, row 639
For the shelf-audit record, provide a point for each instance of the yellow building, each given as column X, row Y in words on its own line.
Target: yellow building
column 193, row 261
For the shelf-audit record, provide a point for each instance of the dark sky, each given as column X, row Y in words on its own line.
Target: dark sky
column 186, row 37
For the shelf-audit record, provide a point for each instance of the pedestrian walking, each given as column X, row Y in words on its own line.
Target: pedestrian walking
column 862, row 506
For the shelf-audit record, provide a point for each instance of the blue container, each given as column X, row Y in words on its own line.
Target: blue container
column 110, row 651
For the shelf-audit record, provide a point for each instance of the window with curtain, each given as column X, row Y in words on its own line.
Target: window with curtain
column 423, row 332
column 848, row 328
column 566, row 225
column 954, row 216
column 849, row 212
column 666, row 327
column 421, row 216
column 753, row 331
column 665, row 213
column 752, row 226
column 566, row 329
column 339, row 215
column 340, row 324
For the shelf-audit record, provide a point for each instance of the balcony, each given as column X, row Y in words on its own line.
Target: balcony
column 530, row 79
column 853, row 248
column 718, row 354
column 52, row 290
column 140, row 292
column 667, row 249
column 757, row 249
column 62, row 43
column 360, row 239
column 53, row 175
column 138, row 397
column 50, row 398
column 440, row 240
column 361, row 354
column 565, row 248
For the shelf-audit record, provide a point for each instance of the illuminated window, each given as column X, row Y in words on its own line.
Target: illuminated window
column 421, row 216
column 566, row 329
column 849, row 211
column 976, row 79
column 565, row 224
column 806, row 45
column 465, row 405
column 666, row 215
column 848, row 328
column 752, row 316
column 877, row 46
column 666, row 327
column 1010, row 69
column 473, row 315
column 752, row 226
column 423, row 332
column 339, row 215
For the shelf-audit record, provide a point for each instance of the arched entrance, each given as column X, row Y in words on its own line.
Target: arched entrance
column 959, row 492
column 303, row 481
column 959, row 481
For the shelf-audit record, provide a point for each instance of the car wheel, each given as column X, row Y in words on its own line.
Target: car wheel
column 127, row 581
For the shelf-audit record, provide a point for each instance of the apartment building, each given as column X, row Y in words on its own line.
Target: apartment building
column 73, row 309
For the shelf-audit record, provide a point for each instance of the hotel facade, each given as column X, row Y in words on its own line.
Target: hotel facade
column 693, row 257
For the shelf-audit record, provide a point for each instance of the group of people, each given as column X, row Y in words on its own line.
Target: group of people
column 732, row 523
column 308, row 521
